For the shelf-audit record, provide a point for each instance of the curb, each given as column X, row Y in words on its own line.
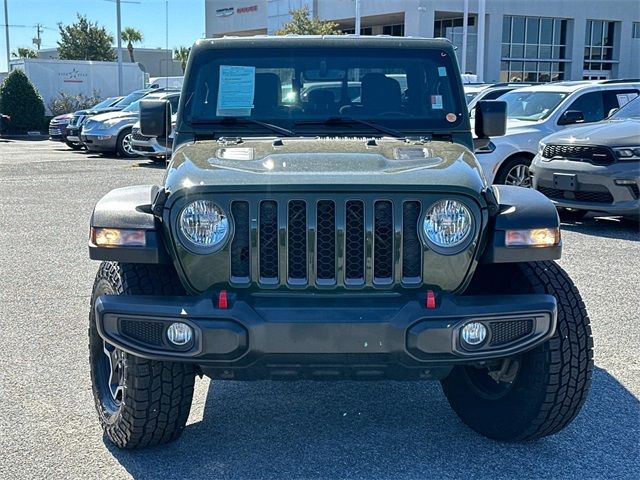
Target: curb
column 37, row 138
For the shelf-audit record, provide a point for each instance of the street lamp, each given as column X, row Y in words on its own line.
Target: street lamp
column 6, row 32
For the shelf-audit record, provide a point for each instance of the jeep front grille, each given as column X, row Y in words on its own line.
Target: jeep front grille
column 325, row 243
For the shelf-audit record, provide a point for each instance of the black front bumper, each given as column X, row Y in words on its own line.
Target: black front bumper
column 328, row 336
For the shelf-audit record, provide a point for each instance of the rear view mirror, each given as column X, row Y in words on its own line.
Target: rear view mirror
column 571, row 116
column 155, row 118
column 491, row 118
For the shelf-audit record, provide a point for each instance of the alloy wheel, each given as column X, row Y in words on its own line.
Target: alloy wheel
column 519, row 175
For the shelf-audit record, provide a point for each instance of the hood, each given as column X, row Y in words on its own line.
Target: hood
column 610, row 133
column 517, row 126
column 352, row 163
column 64, row 116
column 114, row 115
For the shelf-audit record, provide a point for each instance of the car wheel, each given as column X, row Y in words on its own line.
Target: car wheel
column 124, row 145
column 139, row 402
column 515, row 171
column 541, row 391
column 73, row 146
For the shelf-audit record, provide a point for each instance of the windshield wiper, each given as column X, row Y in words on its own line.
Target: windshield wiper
column 246, row 120
column 350, row 120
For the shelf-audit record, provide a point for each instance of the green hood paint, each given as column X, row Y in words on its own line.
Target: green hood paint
column 320, row 161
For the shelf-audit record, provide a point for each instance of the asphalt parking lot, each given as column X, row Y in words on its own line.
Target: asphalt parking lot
column 49, row 429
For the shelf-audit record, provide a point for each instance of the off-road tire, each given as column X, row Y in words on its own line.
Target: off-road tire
column 120, row 147
column 553, row 379
column 156, row 396
column 509, row 165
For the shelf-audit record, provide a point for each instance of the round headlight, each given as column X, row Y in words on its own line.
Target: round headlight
column 447, row 224
column 204, row 224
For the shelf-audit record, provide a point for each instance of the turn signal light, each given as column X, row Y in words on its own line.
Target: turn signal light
column 537, row 237
column 118, row 237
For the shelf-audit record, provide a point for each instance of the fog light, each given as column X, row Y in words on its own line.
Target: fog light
column 474, row 333
column 179, row 333
column 624, row 181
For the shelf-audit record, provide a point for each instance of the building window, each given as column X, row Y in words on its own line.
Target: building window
column 598, row 45
column 534, row 49
column 393, row 30
column 441, row 27
column 636, row 30
column 363, row 31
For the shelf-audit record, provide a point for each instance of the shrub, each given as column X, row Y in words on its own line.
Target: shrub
column 21, row 101
column 67, row 103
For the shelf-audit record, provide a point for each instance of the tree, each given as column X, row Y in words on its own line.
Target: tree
column 181, row 54
column 22, row 102
column 301, row 23
column 85, row 40
column 131, row 36
column 25, row 52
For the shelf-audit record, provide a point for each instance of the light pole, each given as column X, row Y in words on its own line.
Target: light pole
column 6, row 32
column 465, row 26
column 480, row 42
column 119, row 28
column 357, row 32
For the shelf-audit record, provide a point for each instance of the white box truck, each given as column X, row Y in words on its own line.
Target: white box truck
column 75, row 77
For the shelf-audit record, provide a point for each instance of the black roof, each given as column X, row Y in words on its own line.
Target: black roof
column 322, row 41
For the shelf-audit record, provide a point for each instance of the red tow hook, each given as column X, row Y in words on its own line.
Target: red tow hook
column 430, row 300
column 223, row 300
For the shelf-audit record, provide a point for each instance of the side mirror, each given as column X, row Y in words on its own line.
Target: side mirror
column 155, row 117
column 491, row 118
column 570, row 117
column 612, row 111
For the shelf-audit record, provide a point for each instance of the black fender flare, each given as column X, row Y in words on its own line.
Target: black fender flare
column 129, row 208
column 519, row 208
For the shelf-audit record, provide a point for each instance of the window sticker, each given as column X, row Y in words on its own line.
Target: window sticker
column 436, row 102
column 442, row 71
column 236, row 89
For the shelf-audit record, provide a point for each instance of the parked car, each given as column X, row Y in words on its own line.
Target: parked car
column 538, row 111
column 157, row 149
column 111, row 132
column 58, row 125
column 593, row 167
column 288, row 244
column 474, row 94
column 79, row 117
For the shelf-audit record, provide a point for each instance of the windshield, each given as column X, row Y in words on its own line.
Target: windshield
column 104, row 103
column 630, row 110
column 134, row 107
column 400, row 89
column 531, row 106
column 470, row 96
column 132, row 97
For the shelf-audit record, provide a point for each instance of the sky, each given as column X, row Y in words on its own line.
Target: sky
column 186, row 21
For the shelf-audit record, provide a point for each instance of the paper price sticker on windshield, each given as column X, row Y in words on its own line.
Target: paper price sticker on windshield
column 436, row 102
column 236, row 90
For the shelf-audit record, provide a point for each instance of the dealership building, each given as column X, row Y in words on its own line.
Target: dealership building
column 506, row 40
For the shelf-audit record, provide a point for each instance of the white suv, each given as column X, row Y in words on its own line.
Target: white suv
column 537, row 111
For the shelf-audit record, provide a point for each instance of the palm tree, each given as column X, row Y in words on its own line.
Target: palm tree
column 25, row 52
column 181, row 54
column 131, row 36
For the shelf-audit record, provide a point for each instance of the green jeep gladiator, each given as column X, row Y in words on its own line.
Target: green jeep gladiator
column 345, row 234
